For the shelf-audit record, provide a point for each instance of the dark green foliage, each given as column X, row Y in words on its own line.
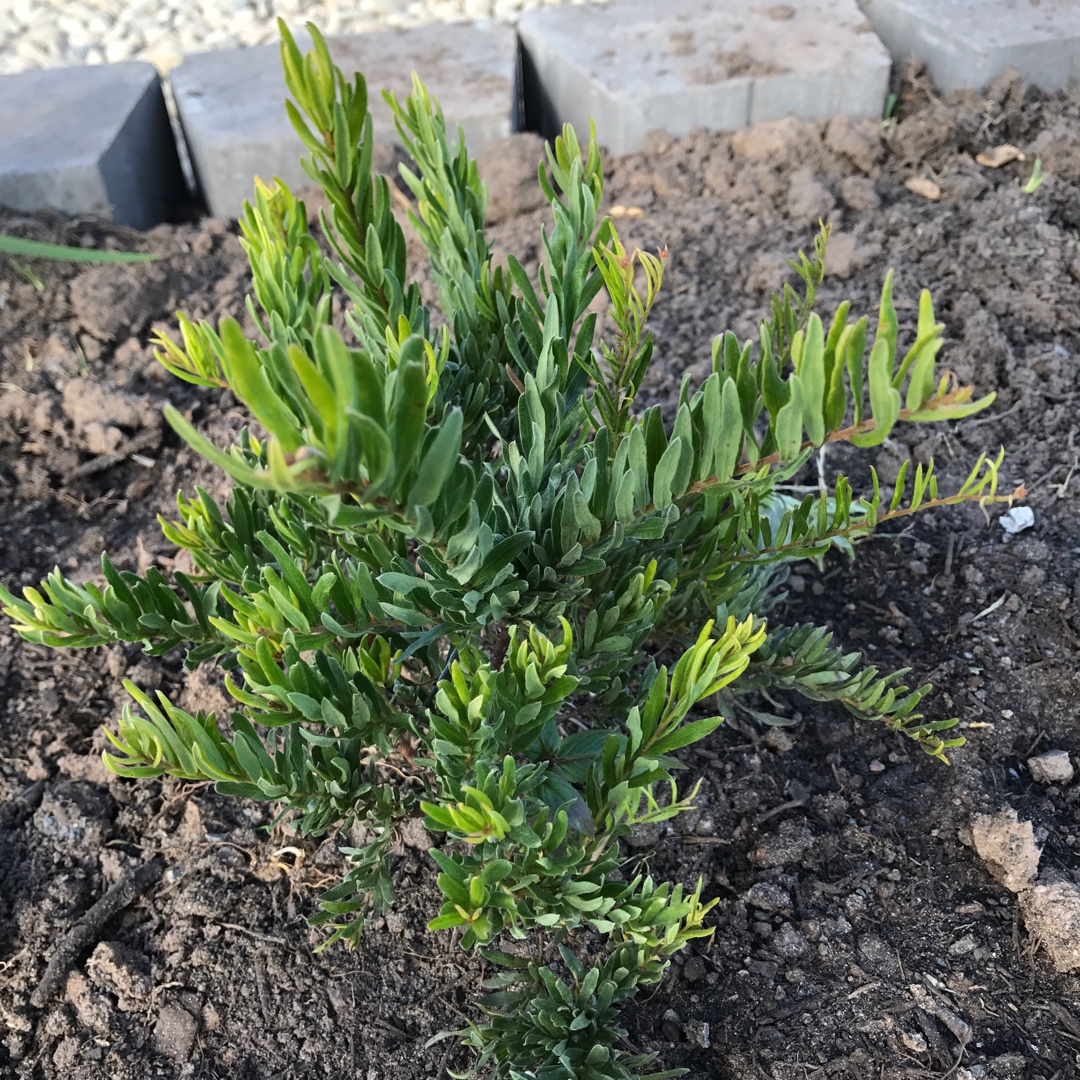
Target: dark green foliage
column 442, row 538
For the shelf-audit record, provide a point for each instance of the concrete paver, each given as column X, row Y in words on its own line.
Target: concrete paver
column 89, row 140
column 968, row 43
column 636, row 66
column 231, row 103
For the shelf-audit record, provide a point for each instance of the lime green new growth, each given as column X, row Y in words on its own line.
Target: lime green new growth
column 446, row 529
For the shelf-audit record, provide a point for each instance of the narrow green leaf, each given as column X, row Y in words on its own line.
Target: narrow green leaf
column 887, row 322
column 884, row 398
column 248, row 379
column 854, row 352
column 315, row 385
column 812, row 381
column 375, row 447
column 730, row 437
column 237, row 469
column 789, row 429
column 408, row 413
column 685, row 734
column 438, row 462
column 664, row 476
column 38, row 249
column 954, row 412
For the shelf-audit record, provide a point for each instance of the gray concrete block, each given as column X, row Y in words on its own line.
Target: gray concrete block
column 969, row 43
column 636, row 66
column 231, row 103
column 89, row 140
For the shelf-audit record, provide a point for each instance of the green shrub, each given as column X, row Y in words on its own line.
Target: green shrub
column 449, row 558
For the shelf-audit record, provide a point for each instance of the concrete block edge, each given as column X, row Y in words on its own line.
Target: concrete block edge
column 529, row 100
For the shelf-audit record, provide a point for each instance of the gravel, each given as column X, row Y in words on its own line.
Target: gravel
column 61, row 33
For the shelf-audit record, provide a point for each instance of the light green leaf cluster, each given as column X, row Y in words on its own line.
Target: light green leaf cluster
column 454, row 558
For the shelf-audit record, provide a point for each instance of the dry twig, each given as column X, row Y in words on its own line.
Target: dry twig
column 88, row 929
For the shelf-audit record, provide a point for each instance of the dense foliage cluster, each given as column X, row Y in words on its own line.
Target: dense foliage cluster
column 455, row 546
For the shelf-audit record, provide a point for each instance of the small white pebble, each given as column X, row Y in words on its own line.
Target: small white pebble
column 1017, row 519
column 1053, row 767
column 115, row 51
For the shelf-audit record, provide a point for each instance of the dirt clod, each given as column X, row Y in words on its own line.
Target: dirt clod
column 768, row 896
column 109, row 300
column 808, row 199
column 771, row 140
column 694, row 969
column 97, row 414
column 788, row 845
column 1007, row 847
column 93, row 1010
column 1052, row 915
column 859, row 141
column 75, row 813
column 174, row 1032
column 1053, row 767
column 846, row 255
column 859, row 193
column 122, row 972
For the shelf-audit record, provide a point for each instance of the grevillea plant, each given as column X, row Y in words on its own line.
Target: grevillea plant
column 456, row 551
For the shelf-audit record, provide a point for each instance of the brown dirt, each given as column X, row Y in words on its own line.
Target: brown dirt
column 858, row 935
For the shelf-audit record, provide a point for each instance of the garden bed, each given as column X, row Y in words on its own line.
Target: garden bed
column 837, row 853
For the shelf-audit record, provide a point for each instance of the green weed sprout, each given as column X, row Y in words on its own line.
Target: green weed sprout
column 1037, row 178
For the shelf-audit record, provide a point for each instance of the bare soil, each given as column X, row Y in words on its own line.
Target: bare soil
column 857, row 934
